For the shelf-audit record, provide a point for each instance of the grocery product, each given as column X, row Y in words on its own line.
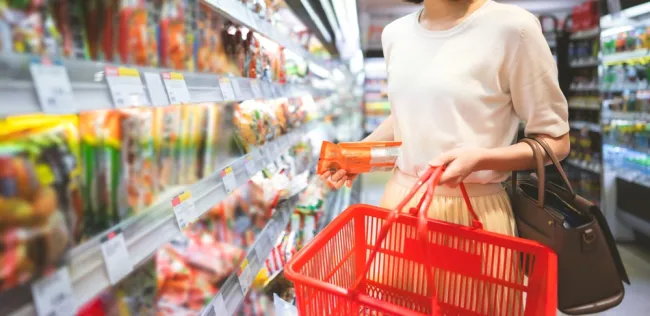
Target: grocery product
column 136, row 45
column 21, row 26
column 191, row 129
column 208, row 152
column 176, row 39
column 40, row 195
column 356, row 158
column 250, row 123
column 167, row 145
column 129, row 145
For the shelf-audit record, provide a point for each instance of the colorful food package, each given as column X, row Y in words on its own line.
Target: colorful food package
column 176, row 37
column 208, row 153
column 21, row 27
column 359, row 157
column 41, row 212
column 167, row 145
column 130, row 149
column 250, row 123
column 136, row 40
column 191, row 132
column 95, row 170
column 56, row 30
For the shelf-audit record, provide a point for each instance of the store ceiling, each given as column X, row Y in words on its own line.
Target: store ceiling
column 375, row 14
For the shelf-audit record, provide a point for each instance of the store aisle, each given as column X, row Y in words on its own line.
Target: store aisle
column 635, row 258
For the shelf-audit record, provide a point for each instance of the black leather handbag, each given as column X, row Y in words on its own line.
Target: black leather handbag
column 590, row 270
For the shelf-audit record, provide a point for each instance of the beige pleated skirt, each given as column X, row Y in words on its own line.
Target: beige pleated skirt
column 492, row 205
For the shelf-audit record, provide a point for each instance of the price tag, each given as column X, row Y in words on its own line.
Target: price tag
column 267, row 93
column 281, row 307
column 116, row 256
column 237, row 89
column 156, row 89
column 256, row 89
column 245, row 88
column 247, row 271
column 229, row 180
column 184, row 209
column 251, row 167
column 53, row 87
column 126, row 87
column 53, row 294
column 176, row 88
column 227, row 89
column 232, row 294
column 219, row 305
column 263, row 246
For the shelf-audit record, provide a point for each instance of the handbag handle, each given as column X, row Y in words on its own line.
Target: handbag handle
column 431, row 177
column 539, row 169
column 556, row 163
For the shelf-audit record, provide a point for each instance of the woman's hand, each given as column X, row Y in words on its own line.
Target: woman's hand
column 338, row 179
column 460, row 163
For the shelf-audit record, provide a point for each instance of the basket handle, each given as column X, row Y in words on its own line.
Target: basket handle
column 476, row 223
column 431, row 177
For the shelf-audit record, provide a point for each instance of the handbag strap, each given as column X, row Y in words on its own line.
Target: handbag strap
column 556, row 163
column 540, row 170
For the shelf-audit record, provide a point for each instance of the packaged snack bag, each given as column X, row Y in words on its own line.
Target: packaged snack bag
column 190, row 139
column 172, row 35
column 21, row 26
column 133, row 38
column 167, row 130
column 95, row 164
column 209, row 140
column 57, row 32
column 360, row 157
column 130, row 149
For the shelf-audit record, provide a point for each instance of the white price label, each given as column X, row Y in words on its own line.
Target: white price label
column 53, row 88
column 283, row 308
column 237, row 89
column 226, row 89
column 53, row 294
column 245, row 89
column 156, row 89
column 229, row 180
column 219, row 305
column 126, row 87
column 247, row 273
column 256, row 89
column 251, row 167
column 116, row 256
column 263, row 246
column 184, row 209
column 176, row 88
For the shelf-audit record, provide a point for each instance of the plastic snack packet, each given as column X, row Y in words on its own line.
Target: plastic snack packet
column 359, row 157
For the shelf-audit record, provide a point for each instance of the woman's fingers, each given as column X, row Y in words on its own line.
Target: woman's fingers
column 340, row 183
column 338, row 175
column 326, row 175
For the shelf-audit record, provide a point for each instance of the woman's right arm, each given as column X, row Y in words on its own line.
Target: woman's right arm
column 383, row 133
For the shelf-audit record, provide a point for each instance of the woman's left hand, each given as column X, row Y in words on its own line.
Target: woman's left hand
column 460, row 163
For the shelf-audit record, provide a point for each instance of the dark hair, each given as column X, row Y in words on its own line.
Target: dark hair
column 414, row 1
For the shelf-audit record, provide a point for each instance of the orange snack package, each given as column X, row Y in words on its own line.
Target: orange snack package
column 359, row 157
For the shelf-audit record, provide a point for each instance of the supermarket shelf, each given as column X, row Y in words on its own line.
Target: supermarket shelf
column 586, row 34
column 638, row 55
column 584, row 87
column 577, row 103
column 626, row 116
column 152, row 228
column 238, row 11
column 585, row 62
column 234, row 289
column 634, row 177
column 585, row 125
column 581, row 164
column 90, row 89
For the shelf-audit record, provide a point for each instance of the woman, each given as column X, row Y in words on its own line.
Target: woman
column 462, row 74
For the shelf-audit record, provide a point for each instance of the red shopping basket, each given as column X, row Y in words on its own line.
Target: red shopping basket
column 372, row 261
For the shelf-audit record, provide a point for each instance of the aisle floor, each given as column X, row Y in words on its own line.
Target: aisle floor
column 635, row 258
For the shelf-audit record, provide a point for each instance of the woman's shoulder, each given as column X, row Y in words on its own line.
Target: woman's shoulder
column 510, row 18
column 399, row 25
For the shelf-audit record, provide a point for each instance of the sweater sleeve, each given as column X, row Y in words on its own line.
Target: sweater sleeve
column 534, row 86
